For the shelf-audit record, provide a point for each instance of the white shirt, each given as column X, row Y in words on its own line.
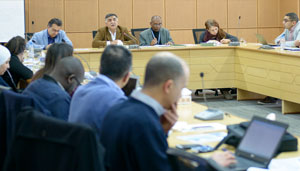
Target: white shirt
column 113, row 37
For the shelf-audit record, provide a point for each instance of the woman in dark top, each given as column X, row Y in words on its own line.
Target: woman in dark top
column 4, row 63
column 17, row 70
column 55, row 52
column 214, row 32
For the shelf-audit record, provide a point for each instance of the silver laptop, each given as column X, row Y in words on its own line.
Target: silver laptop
column 263, row 41
column 259, row 144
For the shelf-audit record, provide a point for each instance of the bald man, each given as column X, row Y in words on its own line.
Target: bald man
column 54, row 91
column 156, row 35
column 134, row 132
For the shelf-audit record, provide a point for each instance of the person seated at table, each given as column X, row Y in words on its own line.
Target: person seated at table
column 134, row 132
column 53, row 91
column 113, row 34
column 4, row 64
column 214, row 32
column 290, row 36
column 54, row 54
column 156, row 35
column 17, row 70
column 53, row 34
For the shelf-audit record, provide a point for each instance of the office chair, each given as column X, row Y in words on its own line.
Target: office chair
column 196, row 34
column 28, row 36
column 46, row 143
column 136, row 32
column 94, row 32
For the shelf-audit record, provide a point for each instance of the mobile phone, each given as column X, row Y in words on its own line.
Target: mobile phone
column 202, row 149
column 187, row 146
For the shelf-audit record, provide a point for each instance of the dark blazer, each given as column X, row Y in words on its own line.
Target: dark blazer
column 18, row 71
column 103, row 36
column 227, row 36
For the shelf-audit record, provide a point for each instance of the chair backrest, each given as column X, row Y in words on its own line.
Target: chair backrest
column 137, row 31
column 46, row 143
column 196, row 34
column 28, row 36
column 94, row 32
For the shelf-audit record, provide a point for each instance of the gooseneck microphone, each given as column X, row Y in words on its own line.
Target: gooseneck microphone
column 93, row 73
column 135, row 46
column 204, row 95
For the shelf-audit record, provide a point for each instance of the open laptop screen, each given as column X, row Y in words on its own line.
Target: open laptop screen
column 131, row 85
column 262, row 138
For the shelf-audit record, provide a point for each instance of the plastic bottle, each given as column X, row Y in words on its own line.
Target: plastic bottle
column 282, row 44
column 30, row 50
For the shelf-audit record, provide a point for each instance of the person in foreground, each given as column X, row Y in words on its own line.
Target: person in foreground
column 214, row 32
column 134, row 133
column 53, row 91
column 91, row 102
column 290, row 36
column 4, row 64
column 17, row 70
column 53, row 34
column 113, row 34
column 156, row 35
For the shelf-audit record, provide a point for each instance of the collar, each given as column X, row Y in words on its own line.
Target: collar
column 51, row 79
column 49, row 35
column 140, row 96
column 155, row 31
column 113, row 36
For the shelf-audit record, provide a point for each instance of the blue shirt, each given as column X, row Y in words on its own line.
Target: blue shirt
column 90, row 102
column 40, row 39
column 51, row 40
column 51, row 96
column 133, row 137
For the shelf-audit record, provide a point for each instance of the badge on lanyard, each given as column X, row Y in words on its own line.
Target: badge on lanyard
column 154, row 36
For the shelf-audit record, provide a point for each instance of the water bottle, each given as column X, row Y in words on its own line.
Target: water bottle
column 31, row 50
column 282, row 44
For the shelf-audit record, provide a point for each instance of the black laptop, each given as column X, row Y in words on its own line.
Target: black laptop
column 259, row 144
column 131, row 85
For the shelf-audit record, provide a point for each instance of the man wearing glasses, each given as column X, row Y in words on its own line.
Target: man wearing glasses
column 290, row 35
column 53, row 34
column 156, row 35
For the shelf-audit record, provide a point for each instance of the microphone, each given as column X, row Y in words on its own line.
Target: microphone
column 91, row 72
column 208, row 114
column 135, row 46
column 239, row 26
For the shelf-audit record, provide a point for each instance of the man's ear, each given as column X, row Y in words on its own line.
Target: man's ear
column 167, row 86
column 70, row 78
column 126, row 78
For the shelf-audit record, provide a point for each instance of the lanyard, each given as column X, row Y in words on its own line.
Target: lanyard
column 154, row 36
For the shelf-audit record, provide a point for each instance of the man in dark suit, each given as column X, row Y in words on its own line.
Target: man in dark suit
column 113, row 34
column 156, row 35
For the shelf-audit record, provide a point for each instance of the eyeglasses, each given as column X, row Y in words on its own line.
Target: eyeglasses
column 286, row 20
column 77, row 81
column 155, row 24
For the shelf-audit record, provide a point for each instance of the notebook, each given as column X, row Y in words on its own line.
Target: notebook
column 263, row 41
column 131, row 85
column 259, row 144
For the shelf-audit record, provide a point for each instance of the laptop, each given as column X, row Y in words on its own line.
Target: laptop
column 259, row 144
column 131, row 85
column 263, row 41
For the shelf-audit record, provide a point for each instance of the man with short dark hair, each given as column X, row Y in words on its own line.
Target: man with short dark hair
column 291, row 33
column 113, row 34
column 54, row 91
column 156, row 35
column 91, row 102
column 134, row 132
column 53, row 34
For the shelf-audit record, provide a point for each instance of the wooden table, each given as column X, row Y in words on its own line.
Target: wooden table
column 256, row 73
column 186, row 113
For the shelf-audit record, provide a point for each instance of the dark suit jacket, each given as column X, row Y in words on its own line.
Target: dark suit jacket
column 103, row 36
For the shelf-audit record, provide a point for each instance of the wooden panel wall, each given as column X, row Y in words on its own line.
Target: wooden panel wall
column 80, row 17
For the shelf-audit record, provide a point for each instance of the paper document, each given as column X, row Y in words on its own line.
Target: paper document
column 184, row 127
column 204, row 138
column 292, row 48
column 290, row 164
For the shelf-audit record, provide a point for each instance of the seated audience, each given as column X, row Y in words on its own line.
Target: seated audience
column 53, row 34
column 134, row 132
column 214, row 32
column 290, row 35
column 91, row 102
column 113, row 34
column 53, row 91
column 156, row 35
column 54, row 54
column 4, row 64
column 17, row 70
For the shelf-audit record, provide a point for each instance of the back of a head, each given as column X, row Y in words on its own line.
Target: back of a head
column 292, row 16
column 16, row 45
column 4, row 54
column 56, row 21
column 162, row 67
column 116, row 62
column 67, row 66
